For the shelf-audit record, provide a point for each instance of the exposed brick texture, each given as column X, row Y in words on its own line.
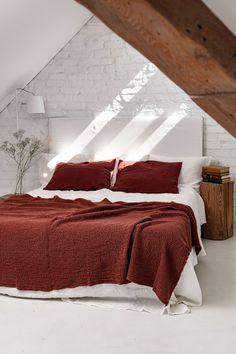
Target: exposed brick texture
column 85, row 76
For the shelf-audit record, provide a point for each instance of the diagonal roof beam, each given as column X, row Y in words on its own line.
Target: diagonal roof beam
column 186, row 41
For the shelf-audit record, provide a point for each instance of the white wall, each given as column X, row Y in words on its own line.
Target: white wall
column 225, row 11
column 220, row 144
column 31, row 33
column 86, row 76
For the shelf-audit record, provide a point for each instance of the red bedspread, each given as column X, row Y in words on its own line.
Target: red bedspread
column 49, row 244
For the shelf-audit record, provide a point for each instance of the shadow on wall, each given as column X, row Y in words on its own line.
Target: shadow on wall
column 110, row 112
column 101, row 134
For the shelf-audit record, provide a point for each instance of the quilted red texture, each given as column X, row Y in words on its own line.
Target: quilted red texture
column 148, row 177
column 49, row 244
column 81, row 176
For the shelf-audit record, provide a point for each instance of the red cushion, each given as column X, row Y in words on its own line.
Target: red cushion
column 85, row 176
column 149, row 177
column 123, row 164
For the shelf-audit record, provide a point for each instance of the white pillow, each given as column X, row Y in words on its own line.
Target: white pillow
column 45, row 174
column 115, row 172
column 191, row 171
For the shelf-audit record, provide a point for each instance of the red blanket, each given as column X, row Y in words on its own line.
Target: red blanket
column 49, row 244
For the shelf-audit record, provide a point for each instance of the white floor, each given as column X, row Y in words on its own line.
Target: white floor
column 54, row 327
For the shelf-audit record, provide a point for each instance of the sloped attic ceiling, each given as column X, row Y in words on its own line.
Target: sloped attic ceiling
column 187, row 41
column 31, row 33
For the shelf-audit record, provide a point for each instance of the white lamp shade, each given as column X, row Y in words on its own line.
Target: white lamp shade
column 35, row 104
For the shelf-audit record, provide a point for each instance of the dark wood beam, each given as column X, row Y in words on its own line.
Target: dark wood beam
column 186, row 41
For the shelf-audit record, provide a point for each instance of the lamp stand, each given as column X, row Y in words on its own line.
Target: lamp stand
column 17, row 113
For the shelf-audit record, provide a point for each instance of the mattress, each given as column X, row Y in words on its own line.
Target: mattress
column 136, row 297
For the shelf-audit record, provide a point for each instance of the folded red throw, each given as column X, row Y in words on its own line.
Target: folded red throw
column 49, row 244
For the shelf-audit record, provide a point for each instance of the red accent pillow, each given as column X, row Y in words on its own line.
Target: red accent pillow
column 87, row 176
column 149, row 177
column 123, row 164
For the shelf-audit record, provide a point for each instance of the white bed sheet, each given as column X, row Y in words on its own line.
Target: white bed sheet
column 138, row 297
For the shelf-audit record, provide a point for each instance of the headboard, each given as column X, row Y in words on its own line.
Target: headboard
column 176, row 135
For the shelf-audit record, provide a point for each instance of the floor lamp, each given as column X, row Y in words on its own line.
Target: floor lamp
column 35, row 104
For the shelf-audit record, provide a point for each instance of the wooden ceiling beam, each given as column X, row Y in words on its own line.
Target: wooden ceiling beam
column 186, row 41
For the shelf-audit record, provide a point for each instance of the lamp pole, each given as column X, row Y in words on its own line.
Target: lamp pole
column 17, row 113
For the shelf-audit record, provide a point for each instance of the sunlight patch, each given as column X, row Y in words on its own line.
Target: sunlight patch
column 110, row 112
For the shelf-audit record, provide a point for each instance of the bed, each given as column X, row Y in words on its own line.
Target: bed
column 187, row 291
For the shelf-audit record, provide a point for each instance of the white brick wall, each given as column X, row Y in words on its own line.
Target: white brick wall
column 220, row 144
column 86, row 76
